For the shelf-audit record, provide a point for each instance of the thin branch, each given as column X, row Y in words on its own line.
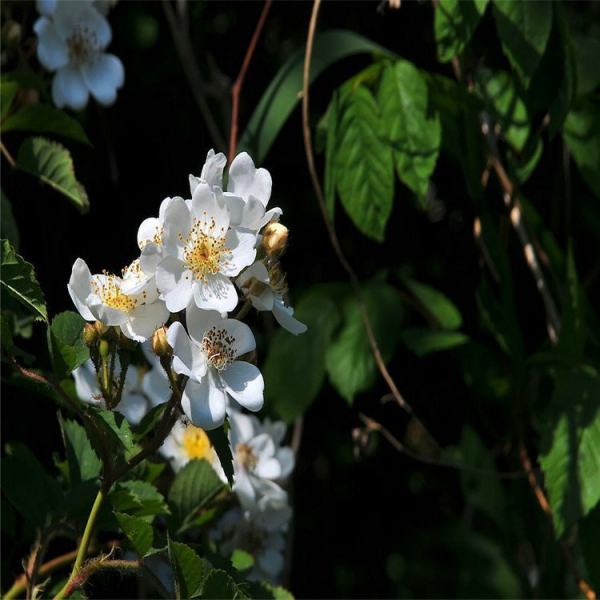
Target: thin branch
column 236, row 88
column 7, row 155
column 297, row 435
column 95, row 565
column 183, row 45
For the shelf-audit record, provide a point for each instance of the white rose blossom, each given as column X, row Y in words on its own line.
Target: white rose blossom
column 187, row 442
column 209, row 357
column 72, row 38
column 105, row 297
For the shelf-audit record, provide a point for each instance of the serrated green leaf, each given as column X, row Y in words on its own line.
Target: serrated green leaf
column 363, row 164
column 294, row 369
column 219, row 585
column 283, row 93
column 41, row 118
column 52, row 164
column 426, row 341
column 138, row 531
column 65, row 343
column 220, row 442
column 195, row 485
column 84, row 463
column 454, row 23
column 349, row 358
column 190, row 571
column 8, row 91
column 116, row 427
column 412, row 126
column 524, row 29
column 570, row 456
column 8, row 225
column 138, row 498
column 18, row 279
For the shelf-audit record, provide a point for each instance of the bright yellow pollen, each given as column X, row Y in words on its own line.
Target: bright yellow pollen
column 245, row 456
column 111, row 295
column 217, row 345
column 196, row 443
column 205, row 253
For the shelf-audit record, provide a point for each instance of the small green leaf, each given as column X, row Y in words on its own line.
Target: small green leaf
column 220, row 442
column 349, row 358
column 363, row 164
column 53, row 164
column 138, row 531
column 18, row 279
column 426, row 341
column 138, row 498
column 84, row 463
column 65, row 342
column 242, row 560
column 412, row 126
column 8, row 225
column 524, row 29
column 189, row 569
column 195, row 485
column 8, row 91
column 41, row 118
column 454, row 24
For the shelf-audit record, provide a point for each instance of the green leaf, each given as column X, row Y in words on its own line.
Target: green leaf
column 331, row 148
column 437, row 305
column 283, row 93
column 189, row 569
column 65, row 343
column 503, row 98
column 582, row 134
column 524, row 163
column 364, row 170
column 454, row 24
column 425, row 341
column 52, row 164
column 524, row 29
column 41, row 118
column 589, row 533
column 116, row 428
column 18, row 279
column 219, row 585
column 570, row 456
column 138, row 531
column 84, row 463
column 294, row 369
column 349, row 358
column 586, row 47
column 8, row 225
column 195, row 485
column 242, row 560
column 150, row 420
column 412, row 126
column 138, row 498
column 220, row 442
column 8, row 91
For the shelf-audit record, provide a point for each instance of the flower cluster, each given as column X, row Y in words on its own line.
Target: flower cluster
column 72, row 38
column 192, row 257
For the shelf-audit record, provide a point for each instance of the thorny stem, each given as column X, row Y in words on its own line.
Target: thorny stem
column 236, row 88
column 95, row 565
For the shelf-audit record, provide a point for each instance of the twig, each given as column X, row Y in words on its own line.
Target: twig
column 297, row 435
column 236, row 88
column 7, row 155
column 181, row 38
column 95, row 565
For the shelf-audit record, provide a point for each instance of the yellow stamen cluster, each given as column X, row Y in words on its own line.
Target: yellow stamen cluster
column 205, row 252
column 245, row 456
column 277, row 278
column 82, row 45
column 111, row 295
column 217, row 345
column 196, row 443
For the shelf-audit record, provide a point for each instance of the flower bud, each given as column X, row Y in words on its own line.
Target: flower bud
column 275, row 237
column 90, row 335
column 160, row 345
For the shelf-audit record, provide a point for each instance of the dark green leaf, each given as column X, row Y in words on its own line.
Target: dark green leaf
column 83, row 462
column 40, row 118
column 426, row 341
column 189, row 569
column 8, row 225
column 8, row 91
column 116, row 428
column 138, row 498
column 412, row 126
column 437, row 305
column 65, row 343
column 586, row 47
column 220, row 442
column 53, row 164
column 333, row 116
column 454, row 24
column 19, row 280
column 150, row 420
column 524, row 29
column 364, row 171
column 219, row 585
column 138, row 531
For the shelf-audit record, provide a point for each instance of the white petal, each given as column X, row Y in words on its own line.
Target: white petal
column 217, row 293
column 174, row 282
column 284, row 316
column 86, row 383
column 212, row 171
column 200, row 321
column 271, row 562
column 103, row 76
column 45, row 7
column 246, row 180
column 268, row 469
column 82, row 16
column 52, row 51
column 148, row 229
column 145, row 320
column 212, row 214
column 79, row 288
column 243, row 427
column 150, row 258
column 156, row 386
column 256, row 271
column 69, row 88
column 177, row 222
column 242, row 334
column 243, row 488
column 285, row 456
column 187, row 357
column 133, row 407
column 204, row 403
column 244, row 383
column 107, row 315
column 262, row 446
column 235, row 206
column 253, row 214
column 241, row 243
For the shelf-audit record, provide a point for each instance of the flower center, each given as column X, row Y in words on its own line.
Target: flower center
column 205, row 253
column 111, row 295
column 82, row 44
column 245, row 456
column 217, row 345
column 196, row 443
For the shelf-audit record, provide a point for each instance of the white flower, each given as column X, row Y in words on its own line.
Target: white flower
column 72, row 37
column 187, row 442
column 208, row 356
column 102, row 298
column 266, row 290
column 259, row 533
column 202, row 253
column 259, row 461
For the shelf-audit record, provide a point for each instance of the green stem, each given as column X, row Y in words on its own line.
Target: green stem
column 85, row 541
